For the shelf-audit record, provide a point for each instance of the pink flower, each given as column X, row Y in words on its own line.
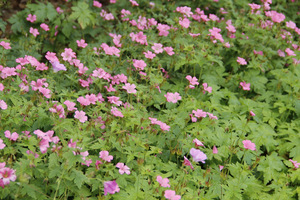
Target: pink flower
column 58, row 66
column 111, row 187
column 134, row 3
column 14, row 136
column 149, row 55
column 215, row 150
column 1, row 87
column 208, row 89
column 44, row 26
column 281, row 53
column 198, row 143
column 81, row 116
column 123, row 168
column 158, row 48
column 296, row 165
column 34, row 31
column 290, row 52
column 6, row 45
column 110, row 88
column 70, row 105
column 81, row 43
column 186, row 162
column 68, row 54
column 249, row 145
column 199, row 113
column 104, row 155
column 130, row 88
column 185, row 23
column 291, row 24
column 116, row 112
column 252, row 113
column 193, row 81
column 163, row 182
column 114, row 100
column 59, row 10
column 173, row 97
column 169, row 50
column 31, row 18
column 241, row 61
column 7, row 175
column 97, row 4
column 246, row 86
column 139, row 64
column 171, row 195
column 46, row 92
column 221, row 167
column 163, row 29
column 3, row 105
column 2, row 145
column 198, row 156
column 194, row 34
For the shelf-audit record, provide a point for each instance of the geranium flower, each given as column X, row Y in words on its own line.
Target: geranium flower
column 123, row 168
column 241, row 61
column 246, row 86
column 3, row 105
column 81, row 116
column 171, row 195
column 111, row 187
column 295, row 163
column 34, row 31
column 158, row 48
column 81, row 43
column 130, row 88
column 198, row 156
column 249, row 145
column 186, row 162
column 116, row 112
column 44, row 26
column 31, row 18
column 215, row 150
column 164, row 182
column 2, row 145
column 11, row 136
column 173, row 97
column 58, row 67
column 7, row 175
column 105, row 156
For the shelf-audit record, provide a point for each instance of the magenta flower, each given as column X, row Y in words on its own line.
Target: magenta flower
column 80, row 115
column 252, row 113
column 296, row 165
column 2, row 145
column 81, row 43
column 105, row 156
column 44, row 26
column 186, row 162
column 163, row 182
column 7, row 175
column 31, row 18
column 173, row 97
column 171, row 195
column 246, row 86
column 241, row 61
column 249, row 145
column 198, row 156
column 34, row 31
column 97, row 4
column 205, row 88
column 123, row 168
column 111, row 187
column 221, row 167
column 130, row 88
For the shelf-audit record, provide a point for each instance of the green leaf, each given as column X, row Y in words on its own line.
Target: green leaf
column 79, row 178
column 83, row 14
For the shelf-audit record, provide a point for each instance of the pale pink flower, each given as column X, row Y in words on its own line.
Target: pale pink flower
column 46, row 92
column 34, row 31
column 169, row 50
column 249, row 145
column 81, row 43
column 44, row 26
column 173, row 97
column 114, row 100
column 70, row 105
column 1, row 87
column 241, row 61
column 59, row 10
column 221, row 167
column 164, row 182
column 194, row 34
column 252, row 113
column 198, row 143
column 11, row 136
column 205, row 88
column 215, row 150
column 291, row 24
column 290, row 52
column 134, row 3
column 6, row 45
column 2, row 145
column 116, row 112
column 68, row 54
column 97, row 4
column 123, row 168
column 31, row 18
column 246, row 86
column 185, row 23
column 104, row 155
column 130, row 88
column 295, row 163
column 139, row 64
column 57, row 66
column 80, row 115
column 163, row 29
column 158, row 48
column 149, row 55
column 171, row 195
column 198, row 156
column 110, row 88
column 3, row 105
column 281, row 53
column 199, row 113
column 110, row 187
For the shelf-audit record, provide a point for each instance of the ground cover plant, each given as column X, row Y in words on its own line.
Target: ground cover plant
column 126, row 99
